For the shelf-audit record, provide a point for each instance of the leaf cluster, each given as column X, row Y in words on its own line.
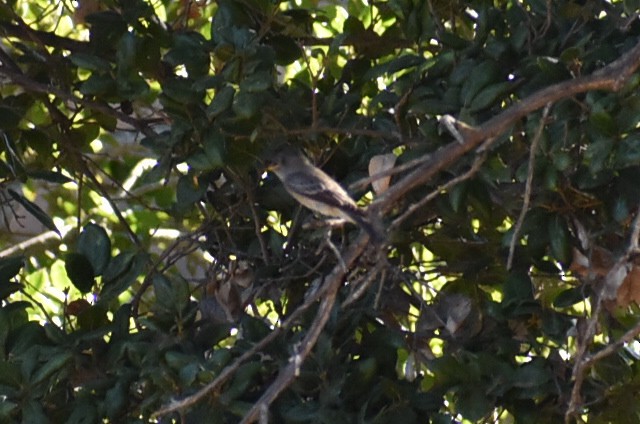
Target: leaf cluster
column 146, row 256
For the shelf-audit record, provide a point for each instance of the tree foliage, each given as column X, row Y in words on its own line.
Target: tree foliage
column 151, row 269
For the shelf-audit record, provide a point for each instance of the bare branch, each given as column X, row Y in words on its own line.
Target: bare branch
column 612, row 77
column 583, row 362
column 327, row 292
column 528, row 185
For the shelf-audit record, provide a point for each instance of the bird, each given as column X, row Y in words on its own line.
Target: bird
column 316, row 190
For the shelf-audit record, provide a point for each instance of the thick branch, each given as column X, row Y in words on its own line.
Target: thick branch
column 612, row 77
column 37, row 87
column 289, row 373
column 50, row 39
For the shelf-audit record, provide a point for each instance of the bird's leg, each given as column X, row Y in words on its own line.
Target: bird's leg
column 334, row 249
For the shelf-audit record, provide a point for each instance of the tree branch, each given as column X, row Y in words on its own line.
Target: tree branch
column 24, row 32
column 328, row 293
column 583, row 362
column 289, row 372
column 528, row 186
column 611, row 77
column 37, row 87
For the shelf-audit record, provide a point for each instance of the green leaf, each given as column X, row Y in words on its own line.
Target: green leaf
column 93, row 242
column 91, row 62
column 221, row 102
column 54, row 363
column 9, row 116
column 106, row 28
column 34, row 210
column 98, row 84
column 211, row 156
column 189, row 50
column 570, row 297
column 479, row 77
column 84, row 412
column 242, row 380
column 172, row 296
column 33, row 413
column 116, row 399
column 80, row 271
column 181, row 90
column 49, row 176
column 132, row 87
column 286, row 49
column 603, row 123
column 487, row 96
column 7, row 409
column 246, row 104
column 473, row 403
column 531, row 375
column 126, row 53
column 94, row 318
column 9, row 268
column 260, row 81
column 559, row 239
column 10, row 375
column 188, row 192
column 120, row 274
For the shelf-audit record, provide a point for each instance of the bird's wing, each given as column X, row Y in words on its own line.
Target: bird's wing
column 327, row 191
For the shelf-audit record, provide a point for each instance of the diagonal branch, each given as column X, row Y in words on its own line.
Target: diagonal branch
column 328, row 294
column 40, row 88
column 528, row 186
column 290, row 372
column 611, row 77
column 584, row 361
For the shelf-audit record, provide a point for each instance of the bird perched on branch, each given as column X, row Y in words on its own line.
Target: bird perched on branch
column 316, row 190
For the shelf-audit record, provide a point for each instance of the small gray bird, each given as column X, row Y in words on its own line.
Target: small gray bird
column 314, row 189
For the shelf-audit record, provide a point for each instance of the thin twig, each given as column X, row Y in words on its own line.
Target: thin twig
column 583, row 362
column 611, row 77
column 331, row 284
column 257, row 224
column 475, row 167
column 359, row 290
column 627, row 337
column 36, row 87
column 292, row 369
column 528, row 185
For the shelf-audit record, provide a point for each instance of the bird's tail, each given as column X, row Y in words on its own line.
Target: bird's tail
column 370, row 226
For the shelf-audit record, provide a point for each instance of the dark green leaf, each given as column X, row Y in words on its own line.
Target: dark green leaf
column 80, row 271
column 472, row 403
column 188, row 192
column 120, row 274
column 9, row 268
column 479, row 77
column 49, row 176
column 221, row 102
column 34, row 210
column 33, row 413
column 241, row 382
column 570, row 297
column 246, row 104
column 91, row 62
column 93, row 242
column 83, row 413
column 98, row 84
column 189, row 50
column 487, row 96
column 531, row 375
column 559, row 239
column 54, row 363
